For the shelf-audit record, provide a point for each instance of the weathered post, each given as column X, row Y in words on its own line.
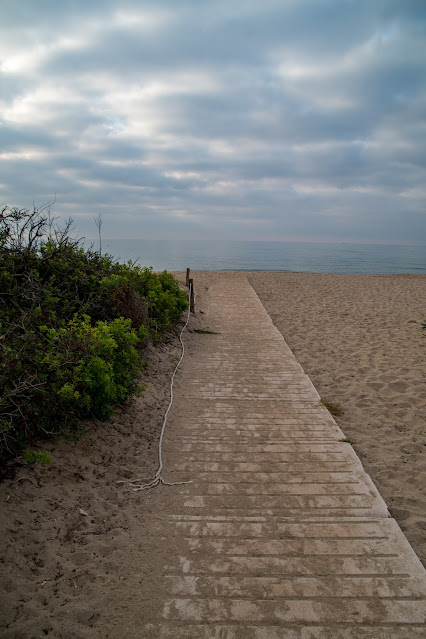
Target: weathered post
column 188, row 270
column 191, row 296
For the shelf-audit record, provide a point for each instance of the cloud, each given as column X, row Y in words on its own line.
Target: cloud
column 278, row 119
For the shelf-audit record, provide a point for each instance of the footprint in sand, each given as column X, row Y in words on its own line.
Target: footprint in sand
column 399, row 387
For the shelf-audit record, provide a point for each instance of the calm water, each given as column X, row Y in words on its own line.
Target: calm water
column 270, row 256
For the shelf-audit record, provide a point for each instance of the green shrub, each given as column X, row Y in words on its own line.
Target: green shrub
column 91, row 368
column 73, row 324
column 163, row 298
column 40, row 457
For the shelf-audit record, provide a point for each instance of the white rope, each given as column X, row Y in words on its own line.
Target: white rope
column 136, row 484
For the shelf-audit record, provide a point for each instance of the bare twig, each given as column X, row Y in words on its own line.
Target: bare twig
column 99, row 222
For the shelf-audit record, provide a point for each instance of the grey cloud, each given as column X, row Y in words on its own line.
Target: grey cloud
column 13, row 137
column 306, row 115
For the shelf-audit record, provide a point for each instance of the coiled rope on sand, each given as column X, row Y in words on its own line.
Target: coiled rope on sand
column 136, row 484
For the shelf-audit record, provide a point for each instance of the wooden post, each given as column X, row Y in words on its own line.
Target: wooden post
column 188, row 270
column 191, row 297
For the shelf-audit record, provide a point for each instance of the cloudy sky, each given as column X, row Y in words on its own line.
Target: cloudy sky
column 239, row 119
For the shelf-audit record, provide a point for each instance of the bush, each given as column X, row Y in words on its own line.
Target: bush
column 90, row 368
column 73, row 324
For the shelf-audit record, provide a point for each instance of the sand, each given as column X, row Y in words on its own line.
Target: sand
column 360, row 340
column 78, row 558
column 73, row 559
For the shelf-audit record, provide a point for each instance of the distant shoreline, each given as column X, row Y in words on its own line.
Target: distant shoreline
column 279, row 257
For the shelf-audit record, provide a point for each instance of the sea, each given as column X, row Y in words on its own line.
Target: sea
column 302, row 257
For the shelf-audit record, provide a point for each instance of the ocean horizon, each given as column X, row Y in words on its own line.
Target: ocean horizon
column 305, row 257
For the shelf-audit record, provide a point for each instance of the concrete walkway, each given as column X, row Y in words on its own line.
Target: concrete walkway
column 281, row 535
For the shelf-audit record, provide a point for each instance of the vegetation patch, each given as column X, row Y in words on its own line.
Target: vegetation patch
column 40, row 457
column 335, row 409
column 73, row 326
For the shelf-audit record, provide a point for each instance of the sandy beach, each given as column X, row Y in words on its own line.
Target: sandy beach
column 76, row 551
column 77, row 556
column 360, row 340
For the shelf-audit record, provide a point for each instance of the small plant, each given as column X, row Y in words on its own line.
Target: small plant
column 334, row 409
column 40, row 457
column 346, row 440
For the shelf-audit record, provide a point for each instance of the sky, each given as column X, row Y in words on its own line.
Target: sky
column 218, row 119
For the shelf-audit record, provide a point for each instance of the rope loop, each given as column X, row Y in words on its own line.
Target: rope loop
column 136, row 484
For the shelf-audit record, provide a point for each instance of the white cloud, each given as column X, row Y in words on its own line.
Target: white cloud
column 292, row 113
